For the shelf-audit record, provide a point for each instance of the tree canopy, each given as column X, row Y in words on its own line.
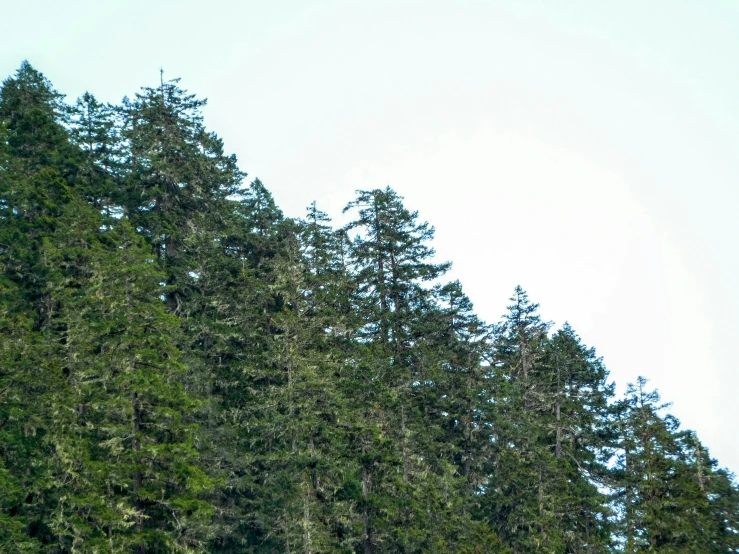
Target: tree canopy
column 183, row 368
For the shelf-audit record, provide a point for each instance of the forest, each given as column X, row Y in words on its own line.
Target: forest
column 185, row 369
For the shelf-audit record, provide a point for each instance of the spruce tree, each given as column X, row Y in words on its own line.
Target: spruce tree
column 311, row 418
column 233, row 327
column 390, row 260
column 33, row 195
column 459, row 345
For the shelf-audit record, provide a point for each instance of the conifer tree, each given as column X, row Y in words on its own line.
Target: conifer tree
column 311, row 418
column 95, row 129
column 409, row 494
column 127, row 452
column 114, row 472
column 177, row 180
column 553, row 437
column 665, row 497
column 22, row 385
column 32, row 197
column 581, row 435
column 34, row 114
column 390, row 260
column 458, row 343
column 232, row 324
column 515, row 501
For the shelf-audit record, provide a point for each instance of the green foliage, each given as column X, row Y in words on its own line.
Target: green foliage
column 34, row 116
column 670, row 489
column 95, row 130
column 184, row 369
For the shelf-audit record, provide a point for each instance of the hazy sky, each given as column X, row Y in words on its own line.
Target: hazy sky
column 586, row 150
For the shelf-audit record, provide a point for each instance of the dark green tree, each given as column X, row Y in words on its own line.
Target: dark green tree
column 177, row 181
column 410, row 494
column 98, row 443
column 461, row 347
column 582, row 436
column 516, row 497
column 32, row 197
column 125, row 440
column 95, row 130
column 666, row 496
column 34, row 116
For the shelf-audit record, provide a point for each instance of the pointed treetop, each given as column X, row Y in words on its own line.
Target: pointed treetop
column 28, row 88
column 522, row 313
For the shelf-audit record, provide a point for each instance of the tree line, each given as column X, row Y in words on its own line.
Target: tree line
column 185, row 369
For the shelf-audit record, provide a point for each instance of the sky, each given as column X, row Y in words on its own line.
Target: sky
column 587, row 151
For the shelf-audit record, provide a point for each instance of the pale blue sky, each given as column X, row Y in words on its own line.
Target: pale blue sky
column 586, row 150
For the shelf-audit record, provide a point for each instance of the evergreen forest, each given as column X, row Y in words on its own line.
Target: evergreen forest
column 184, row 369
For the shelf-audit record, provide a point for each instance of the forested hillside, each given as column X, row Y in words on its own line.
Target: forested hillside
column 185, row 369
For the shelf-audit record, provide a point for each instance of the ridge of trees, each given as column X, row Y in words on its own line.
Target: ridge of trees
column 185, row 369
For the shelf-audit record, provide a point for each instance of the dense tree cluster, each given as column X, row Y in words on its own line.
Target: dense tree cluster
column 184, row 369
